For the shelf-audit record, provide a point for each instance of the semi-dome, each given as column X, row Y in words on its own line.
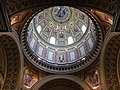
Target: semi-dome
column 61, row 37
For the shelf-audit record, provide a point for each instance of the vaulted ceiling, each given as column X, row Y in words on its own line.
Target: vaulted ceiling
column 17, row 12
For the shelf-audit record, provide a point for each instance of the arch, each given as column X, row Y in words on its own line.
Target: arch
column 70, row 40
column 69, row 77
column 109, row 61
column 14, row 58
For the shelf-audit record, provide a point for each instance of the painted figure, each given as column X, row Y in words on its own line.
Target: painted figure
column 29, row 78
column 61, row 58
column 93, row 78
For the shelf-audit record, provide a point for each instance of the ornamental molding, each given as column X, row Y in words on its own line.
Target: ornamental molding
column 108, row 6
column 14, row 59
column 68, row 77
column 58, row 69
column 109, row 61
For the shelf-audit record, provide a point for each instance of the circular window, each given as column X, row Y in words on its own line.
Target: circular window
column 61, row 38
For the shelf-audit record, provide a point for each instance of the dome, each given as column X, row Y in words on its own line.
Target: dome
column 61, row 37
column 60, row 25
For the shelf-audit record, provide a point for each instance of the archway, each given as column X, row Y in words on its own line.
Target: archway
column 109, row 61
column 57, row 80
column 13, row 57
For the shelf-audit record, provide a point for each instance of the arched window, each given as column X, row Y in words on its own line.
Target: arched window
column 70, row 40
column 82, row 50
column 52, row 40
column 32, row 42
column 40, row 50
column 83, row 28
column 50, row 55
column 72, row 55
column 90, row 42
column 39, row 29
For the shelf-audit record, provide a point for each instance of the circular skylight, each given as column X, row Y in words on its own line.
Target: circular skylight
column 61, row 36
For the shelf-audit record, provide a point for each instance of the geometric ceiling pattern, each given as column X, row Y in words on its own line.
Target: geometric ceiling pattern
column 64, row 33
column 60, row 25
column 61, row 38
